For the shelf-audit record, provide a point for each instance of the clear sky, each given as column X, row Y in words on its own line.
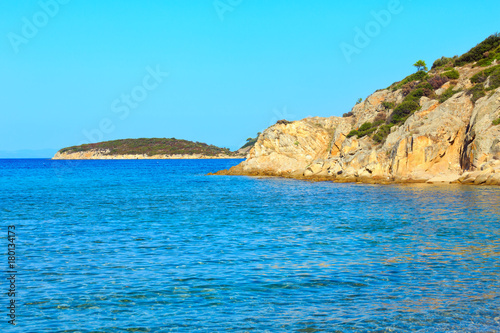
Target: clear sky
column 76, row 71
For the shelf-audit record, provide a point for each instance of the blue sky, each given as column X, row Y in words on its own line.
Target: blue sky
column 76, row 71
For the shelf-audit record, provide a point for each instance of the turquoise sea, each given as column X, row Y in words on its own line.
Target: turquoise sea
column 158, row 246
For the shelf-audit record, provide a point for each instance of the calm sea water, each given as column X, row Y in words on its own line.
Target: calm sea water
column 157, row 246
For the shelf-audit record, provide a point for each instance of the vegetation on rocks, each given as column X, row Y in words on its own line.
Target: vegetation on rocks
column 483, row 54
column 437, row 81
column 363, row 130
column 149, row 147
column 493, row 73
column 418, row 76
column 452, row 74
column 443, row 61
column 476, row 92
column 368, row 128
column 403, row 111
column 455, row 142
column 423, row 83
column 489, row 57
column 479, row 52
column 422, row 89
column 382, row 133
column 251, row 142
column 447, row 94
column 486, row 80
column 388, row 105
column 420, row 65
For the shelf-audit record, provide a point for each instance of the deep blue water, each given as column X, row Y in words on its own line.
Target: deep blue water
column 157, row 246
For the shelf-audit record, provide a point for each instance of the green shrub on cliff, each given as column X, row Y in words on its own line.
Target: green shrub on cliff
column 418, row 76
column 452, row 74
column 403, row 111
column 420, row 65
column 478, row 52
column 494, row 80
column 447, row 94
column 382, row 133
column 365, row 127
column 352, row 133
column 490, row 56
column 492, row 72
column 379, row 122
column 420, row 90
column 496, row 122
column 490, row 76
column 424, row 85
column 388, row 105
column 443, row 61
column 415, row 95
column 251, row 141
column 363, row 130
column 476, row 92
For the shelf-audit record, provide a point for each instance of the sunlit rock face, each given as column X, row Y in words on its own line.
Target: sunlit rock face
column 443, row 142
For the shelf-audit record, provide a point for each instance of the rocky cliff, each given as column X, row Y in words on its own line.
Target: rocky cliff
column 436, row 127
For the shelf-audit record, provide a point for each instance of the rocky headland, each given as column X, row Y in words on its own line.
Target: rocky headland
column 132, row 149
column 103, row 155
column 437, row 126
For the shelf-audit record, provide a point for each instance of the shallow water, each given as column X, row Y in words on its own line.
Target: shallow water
column 157, row 246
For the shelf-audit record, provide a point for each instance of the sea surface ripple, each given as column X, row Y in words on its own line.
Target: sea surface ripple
column 158, row 246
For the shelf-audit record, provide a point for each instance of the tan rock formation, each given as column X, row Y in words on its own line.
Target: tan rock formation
column 448, row 142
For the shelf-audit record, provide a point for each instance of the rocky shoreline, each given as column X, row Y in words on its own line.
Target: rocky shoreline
column 468, row 178
column 445, row 141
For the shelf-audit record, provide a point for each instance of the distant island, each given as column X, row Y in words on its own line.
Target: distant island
column 154, row 148
column 437, row 126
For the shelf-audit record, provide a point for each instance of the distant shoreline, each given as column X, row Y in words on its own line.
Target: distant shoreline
column 148, row 149
column 98, row 156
